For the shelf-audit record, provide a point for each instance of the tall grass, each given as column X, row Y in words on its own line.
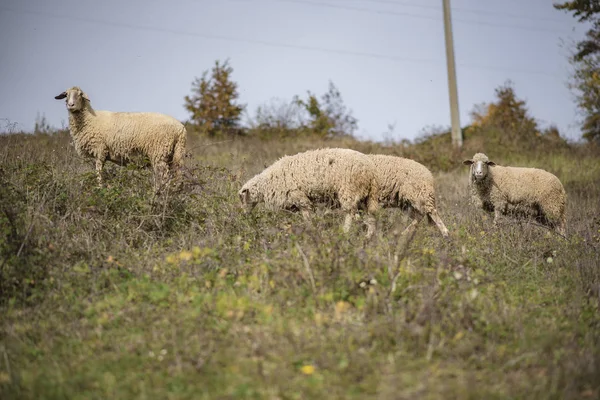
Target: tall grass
column 113, row 293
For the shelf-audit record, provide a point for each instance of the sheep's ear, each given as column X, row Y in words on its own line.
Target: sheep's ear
column 491, row 163
column 85, row 96
column 61, row 96
column 246, row 195
column 468, row 162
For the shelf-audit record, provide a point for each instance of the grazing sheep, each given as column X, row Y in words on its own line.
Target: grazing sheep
column 119, row 136
column 405, row 183
column 533, row 190
column 338, row 177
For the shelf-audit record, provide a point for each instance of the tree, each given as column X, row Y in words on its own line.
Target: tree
column 509, row 114
column 213, row 105
column 328, row 117
column 586, row 61
column 584, row 9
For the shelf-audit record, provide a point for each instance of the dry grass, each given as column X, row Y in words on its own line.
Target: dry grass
column 111, row 293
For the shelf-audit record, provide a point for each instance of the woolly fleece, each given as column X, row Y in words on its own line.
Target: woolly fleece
column 335, row 176
column 406, row 182
column 118, row 136
column 534, row 189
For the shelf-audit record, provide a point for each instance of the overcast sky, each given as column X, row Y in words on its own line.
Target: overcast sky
column 386, row 57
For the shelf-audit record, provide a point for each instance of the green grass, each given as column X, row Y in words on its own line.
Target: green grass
column 112, row 293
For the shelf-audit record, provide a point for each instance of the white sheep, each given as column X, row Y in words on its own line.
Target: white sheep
column 120, row 136
column 337, row 177
column 532, row 190
column 405, row 183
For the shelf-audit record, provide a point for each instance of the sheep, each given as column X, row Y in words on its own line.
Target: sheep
column 119, row 136
column 405, row 183
column 533, row 190
column 339, row 177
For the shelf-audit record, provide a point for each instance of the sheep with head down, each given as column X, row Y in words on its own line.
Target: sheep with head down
column 337, row 177
column 499, row 189
column 120, row 136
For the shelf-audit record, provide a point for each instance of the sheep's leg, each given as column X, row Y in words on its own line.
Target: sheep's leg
column 99, row 170
column 349, row 202
column 497, row 214
column 177, row 162
column 350, row 216
column 561, row 226
column 347, row 222
column 499, row 209
column 369, row 217
column 435, row 217
column 372, row 208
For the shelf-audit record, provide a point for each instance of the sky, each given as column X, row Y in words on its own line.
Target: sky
column 387, row 57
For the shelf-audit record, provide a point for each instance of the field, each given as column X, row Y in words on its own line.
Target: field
column 114, row 294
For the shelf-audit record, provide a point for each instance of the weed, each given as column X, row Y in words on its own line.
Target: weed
column 114, row 293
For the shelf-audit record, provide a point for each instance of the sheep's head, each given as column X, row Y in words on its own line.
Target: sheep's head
column 479, row 166
column 75, row 98
column 249, row 196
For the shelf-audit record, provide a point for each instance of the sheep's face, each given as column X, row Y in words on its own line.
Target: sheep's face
column 249, row 197
column 75, row 98
column 479, row 166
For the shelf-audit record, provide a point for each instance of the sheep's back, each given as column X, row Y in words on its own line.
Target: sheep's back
column 141, row 123
column 522, row 184
column 402, row 177
column 145, row 132
column 322, row 173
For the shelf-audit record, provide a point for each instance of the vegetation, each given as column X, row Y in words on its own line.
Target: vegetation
column 329, row 117
column 112, row 293
column 586, row 61
column 212, row 105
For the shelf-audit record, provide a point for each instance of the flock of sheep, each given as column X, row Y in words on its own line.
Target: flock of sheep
column 336, row 177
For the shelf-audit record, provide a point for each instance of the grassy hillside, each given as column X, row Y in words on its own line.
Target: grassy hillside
column 112, row 294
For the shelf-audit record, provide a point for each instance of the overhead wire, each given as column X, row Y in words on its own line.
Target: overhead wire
column 460, row 9
column 182, row 32
column 408, row 14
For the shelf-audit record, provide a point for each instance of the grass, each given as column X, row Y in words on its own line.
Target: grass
column 112, row 293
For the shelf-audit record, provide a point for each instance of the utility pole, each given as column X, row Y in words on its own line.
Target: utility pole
column 457, row 139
